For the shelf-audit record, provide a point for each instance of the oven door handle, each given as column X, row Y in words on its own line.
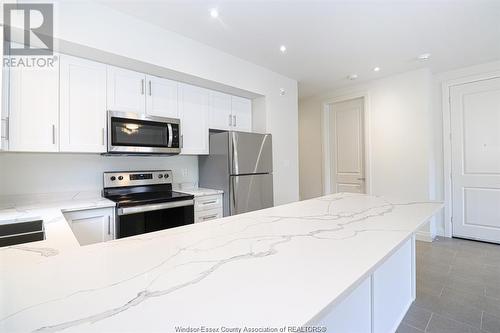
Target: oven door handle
column 152, row 207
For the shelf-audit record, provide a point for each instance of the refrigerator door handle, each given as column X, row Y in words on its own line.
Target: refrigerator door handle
column 232, row 206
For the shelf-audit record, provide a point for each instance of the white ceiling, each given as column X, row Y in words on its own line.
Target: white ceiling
column 328, row 40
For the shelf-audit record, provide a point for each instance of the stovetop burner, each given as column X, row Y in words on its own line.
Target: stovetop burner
column 141, row 188
column 134, row 199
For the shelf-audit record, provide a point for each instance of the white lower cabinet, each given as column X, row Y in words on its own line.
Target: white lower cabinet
column 207, row 215
column 379, row 303
column 92, row 225
column 207, row 208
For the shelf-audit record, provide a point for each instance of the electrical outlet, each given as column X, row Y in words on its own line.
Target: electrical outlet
column 184, row 172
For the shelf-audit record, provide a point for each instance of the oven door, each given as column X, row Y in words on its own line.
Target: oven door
column 141, row 134
column 138, row 220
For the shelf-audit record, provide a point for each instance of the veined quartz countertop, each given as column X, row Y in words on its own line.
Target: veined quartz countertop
column 269, row 268
column 199, row 191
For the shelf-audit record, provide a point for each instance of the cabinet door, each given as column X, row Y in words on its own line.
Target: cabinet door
column 194, row 119
column 34, row 109
column 220, row 111
column 126, row 90
column 242, row 113
column 161, row 98
column 92, row 226
column 83, row 105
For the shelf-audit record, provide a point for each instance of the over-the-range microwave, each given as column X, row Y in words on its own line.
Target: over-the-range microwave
column 140, row 134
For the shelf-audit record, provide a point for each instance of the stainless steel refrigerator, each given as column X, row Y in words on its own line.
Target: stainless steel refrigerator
column 240, row 164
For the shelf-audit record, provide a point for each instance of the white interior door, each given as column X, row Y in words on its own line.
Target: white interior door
column 475, row 142
column 347, row 146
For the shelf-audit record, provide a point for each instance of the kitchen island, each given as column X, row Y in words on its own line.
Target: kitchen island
column 345, row 262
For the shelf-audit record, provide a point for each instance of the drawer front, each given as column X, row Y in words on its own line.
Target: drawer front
column 208, row 202
column 208, row 215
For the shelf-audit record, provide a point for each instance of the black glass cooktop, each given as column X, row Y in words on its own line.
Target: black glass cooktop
column 144, row 196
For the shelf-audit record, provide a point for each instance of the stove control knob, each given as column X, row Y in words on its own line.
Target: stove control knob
column 160, row 176
column 113, row 178
column 120, row 177
column 166, row 175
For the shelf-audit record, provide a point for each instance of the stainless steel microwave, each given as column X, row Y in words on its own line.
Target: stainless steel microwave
column 131, row 134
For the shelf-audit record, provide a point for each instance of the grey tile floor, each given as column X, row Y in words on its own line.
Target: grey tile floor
column 458, row 288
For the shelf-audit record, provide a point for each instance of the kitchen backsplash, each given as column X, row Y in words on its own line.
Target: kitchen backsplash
column 30, row 173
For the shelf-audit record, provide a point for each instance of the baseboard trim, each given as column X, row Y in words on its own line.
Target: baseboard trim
column 424, row 236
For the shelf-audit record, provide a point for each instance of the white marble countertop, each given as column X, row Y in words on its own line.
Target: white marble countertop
column 269, row 268
column 200, row 191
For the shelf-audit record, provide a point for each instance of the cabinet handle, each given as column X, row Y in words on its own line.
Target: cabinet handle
column 150, row 90
column 230, row 121
column 142, row 87
column 234, row 122
column 209, row 217
column 209, row 202
column 109, row 225
column 182, row 141
column 103, row 135
column 53, row 134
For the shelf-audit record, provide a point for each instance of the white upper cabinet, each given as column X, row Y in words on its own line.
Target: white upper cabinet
column 82, row 105
column 193, row 111
column 33, row 122
column 126, row 90
column 161, row 97
column 241, row 109
column 220, row 116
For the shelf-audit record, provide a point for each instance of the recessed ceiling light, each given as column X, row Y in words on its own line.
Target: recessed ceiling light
column 376, row 69
column 353, row 77
column 214, row 12
column 283, row 48
column 424, row 56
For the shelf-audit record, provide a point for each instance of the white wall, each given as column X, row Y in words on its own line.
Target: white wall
column 23, row 173
column 100, row 27
column 406, row 135
column 403, row 143
column 398, row 120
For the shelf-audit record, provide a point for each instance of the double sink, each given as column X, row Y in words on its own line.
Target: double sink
column 16, row 232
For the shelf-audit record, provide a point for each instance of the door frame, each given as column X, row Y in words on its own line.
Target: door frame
column 447, row 139
column 326, row 149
